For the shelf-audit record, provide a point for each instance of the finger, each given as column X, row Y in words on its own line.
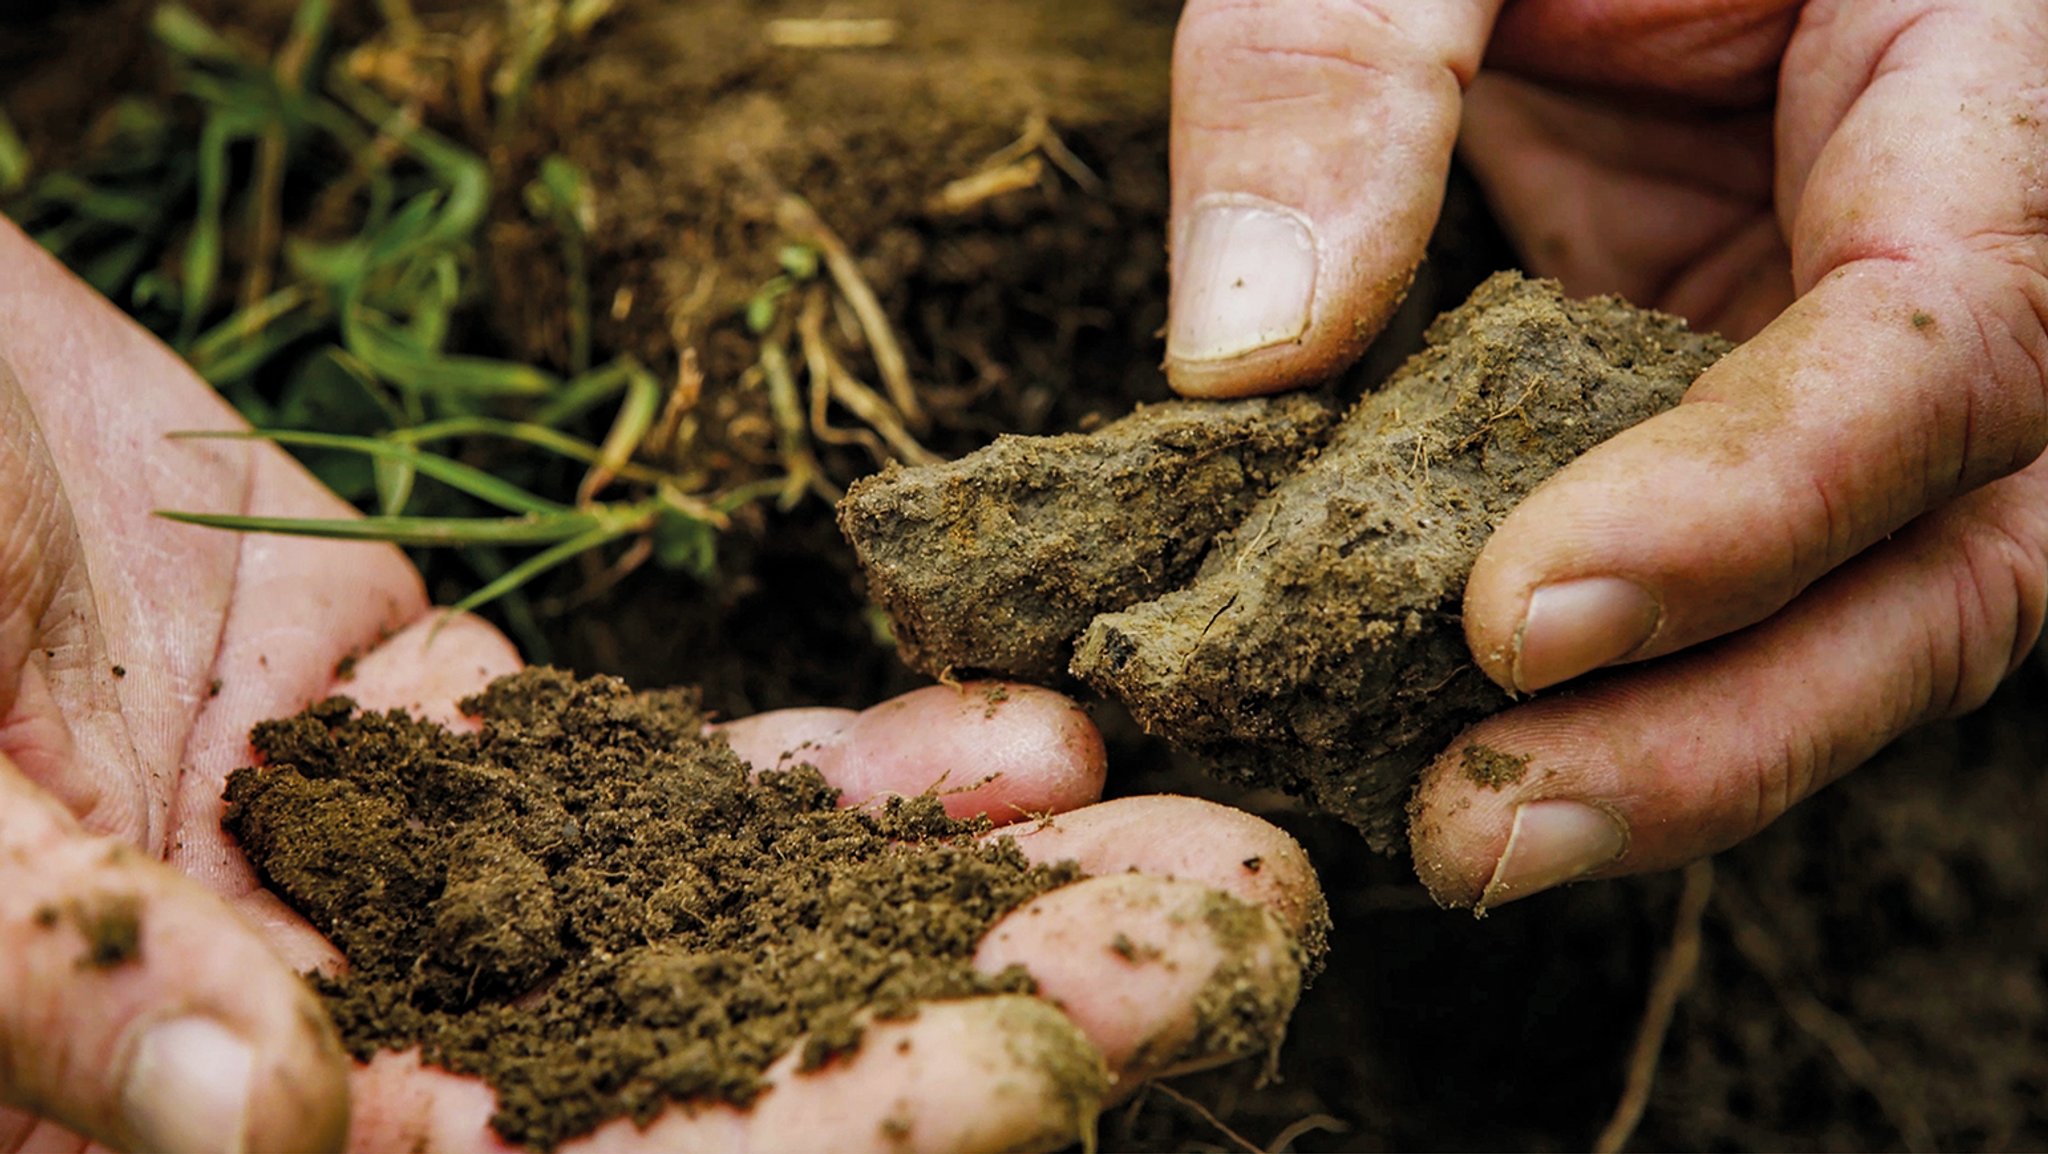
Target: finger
column 782, row 738
column 1162, row 976
column 1669, row 211
column 136, row 1009
column 995, row 748
column 1141, row 954
column 1655, row 767
column 428, row 667
column 1002, row 1073
column 1913, row 368
column 1721, row 54
column 1311, row 141
column 1188, row 839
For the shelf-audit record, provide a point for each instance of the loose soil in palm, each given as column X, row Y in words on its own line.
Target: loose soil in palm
column 593, row 906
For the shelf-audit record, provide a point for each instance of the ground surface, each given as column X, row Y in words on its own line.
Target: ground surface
column 1874, row 969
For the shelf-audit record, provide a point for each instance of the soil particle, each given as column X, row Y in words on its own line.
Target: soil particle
column 1489, row 767
column 112, row 927
column 1133, row 951
column 1320, row 648
column 594, row 908
column 994, row 563
column 1244, row 1006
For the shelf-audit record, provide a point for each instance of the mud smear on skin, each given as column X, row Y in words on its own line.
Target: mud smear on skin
column 595, row 909
column 1319, row 647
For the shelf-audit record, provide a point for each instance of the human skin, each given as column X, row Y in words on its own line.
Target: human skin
column 135, row 654
column 1839, row 535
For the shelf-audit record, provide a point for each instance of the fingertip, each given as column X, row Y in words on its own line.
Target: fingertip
column 140, row 1010
column 996, row 748
column 1160, row 975
column 1458, row 820
column 1007, row 1072
column 782, row 738
column 195, row 1084
column 1188, row 839
column 1311, row 143
column 429, row 666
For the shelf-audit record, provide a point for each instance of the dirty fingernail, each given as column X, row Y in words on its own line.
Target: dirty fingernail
column 188, row 1088
column 1245, row 280
column 1553, row 842
column 1576, row 626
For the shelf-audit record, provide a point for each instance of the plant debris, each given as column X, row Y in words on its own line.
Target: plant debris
column 593, row 907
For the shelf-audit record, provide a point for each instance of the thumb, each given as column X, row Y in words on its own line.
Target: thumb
column 1311, row 141
column 136, row 1009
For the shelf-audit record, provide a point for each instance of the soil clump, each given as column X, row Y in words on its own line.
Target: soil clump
column 1051, row 531
column 1319, row 647
column 593, row 907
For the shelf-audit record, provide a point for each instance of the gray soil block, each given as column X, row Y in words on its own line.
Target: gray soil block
column 1319, row 647
column 994, row 563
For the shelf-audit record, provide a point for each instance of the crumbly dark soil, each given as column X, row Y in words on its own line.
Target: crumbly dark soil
column 592, row 906
column 994, row 563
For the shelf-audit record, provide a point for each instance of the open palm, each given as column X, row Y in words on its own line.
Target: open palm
column 135, row 654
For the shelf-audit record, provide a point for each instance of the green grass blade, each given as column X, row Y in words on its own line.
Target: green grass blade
column 538, row 564
column 523, row 432
column 377, row 344
column 232, row 363
column 585, row 392
column 393, row 479
column 468, row 478
column 15, row 163
column 629, row 428
column 101, row 205
column 203, row 247
column 190, row 37
column 415, row 531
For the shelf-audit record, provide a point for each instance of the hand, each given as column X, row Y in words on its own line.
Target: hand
column 1842, row 532
column 147, row 992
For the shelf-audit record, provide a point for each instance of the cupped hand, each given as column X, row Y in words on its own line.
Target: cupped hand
column 1843, row 530
column 148, row 998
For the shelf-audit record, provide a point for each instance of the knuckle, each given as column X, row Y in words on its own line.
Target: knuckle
column 1998, row 587
column 2010, row 315
column 1296, row 50
column 1804, row 762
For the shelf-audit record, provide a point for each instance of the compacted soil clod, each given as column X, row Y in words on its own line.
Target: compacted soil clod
column 1054, row 530
column 1319, row 647
column 591, row 905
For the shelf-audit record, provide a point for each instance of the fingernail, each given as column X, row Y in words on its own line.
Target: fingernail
column 1245, row 279
column 188, row 1088
column 1553, row 842
column 1576, row 626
